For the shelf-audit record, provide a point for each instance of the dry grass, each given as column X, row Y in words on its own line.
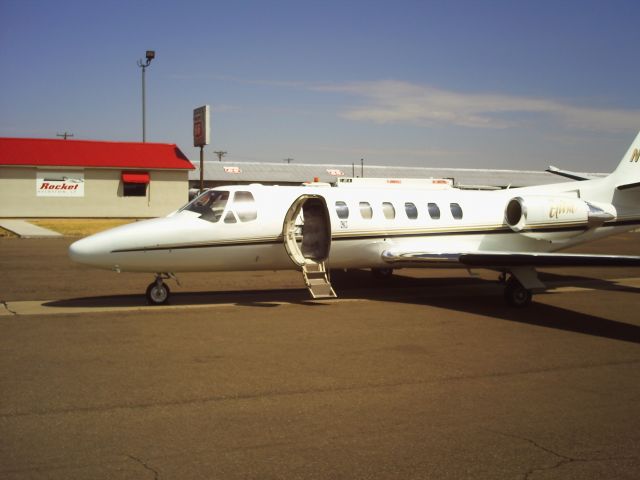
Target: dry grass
column 6, row 233
column 80, row 227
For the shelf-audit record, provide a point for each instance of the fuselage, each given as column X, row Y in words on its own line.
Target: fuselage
column 245, row 229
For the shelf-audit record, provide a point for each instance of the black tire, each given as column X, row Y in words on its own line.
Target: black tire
column 157, row 294
column 382, row 273
column 516, row 295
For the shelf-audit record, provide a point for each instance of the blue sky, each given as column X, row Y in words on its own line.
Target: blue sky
column 480, row 84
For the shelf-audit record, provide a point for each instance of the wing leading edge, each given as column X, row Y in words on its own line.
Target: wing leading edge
column 498, row 260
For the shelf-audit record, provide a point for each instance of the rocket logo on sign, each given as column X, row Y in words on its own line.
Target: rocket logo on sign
column 59, row 184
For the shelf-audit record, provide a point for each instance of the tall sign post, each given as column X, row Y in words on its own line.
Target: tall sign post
column 201, row 135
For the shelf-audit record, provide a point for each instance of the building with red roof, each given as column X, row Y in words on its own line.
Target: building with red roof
column 80, row 178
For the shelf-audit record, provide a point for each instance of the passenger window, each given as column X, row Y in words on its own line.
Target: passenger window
column 366, row 211
column 209, row 205
column 342, row 210
column 229, row 217
column 245, row 206
column 456, row 211
column 434, row 211
column 388, row 210
column 412, row 211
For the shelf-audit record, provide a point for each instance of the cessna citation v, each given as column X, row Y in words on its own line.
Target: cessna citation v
column 316, row 227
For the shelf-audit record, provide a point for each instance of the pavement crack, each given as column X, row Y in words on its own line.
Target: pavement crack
column 562, row 459
column 6, row 307
column 146, row 466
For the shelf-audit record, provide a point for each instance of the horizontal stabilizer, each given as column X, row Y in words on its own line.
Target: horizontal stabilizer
column 566, row 173
column 629, row 186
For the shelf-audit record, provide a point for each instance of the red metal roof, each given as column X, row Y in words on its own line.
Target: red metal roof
column 84, row 153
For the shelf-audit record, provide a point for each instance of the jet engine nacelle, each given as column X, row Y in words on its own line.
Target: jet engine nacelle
column 533, row 215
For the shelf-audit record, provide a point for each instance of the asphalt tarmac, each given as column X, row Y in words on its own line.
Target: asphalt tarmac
column 429, row 375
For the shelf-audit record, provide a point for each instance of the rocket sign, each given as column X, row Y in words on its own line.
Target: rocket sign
column 58, row 183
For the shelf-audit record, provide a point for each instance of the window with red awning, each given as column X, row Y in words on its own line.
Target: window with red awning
column 135, row 177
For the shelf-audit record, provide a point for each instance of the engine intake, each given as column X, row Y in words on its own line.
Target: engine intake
column 540, row 213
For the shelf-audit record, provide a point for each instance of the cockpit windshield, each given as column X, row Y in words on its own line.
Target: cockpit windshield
column 209, row 205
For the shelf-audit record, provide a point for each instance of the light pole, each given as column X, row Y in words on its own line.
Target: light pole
column 151, row 54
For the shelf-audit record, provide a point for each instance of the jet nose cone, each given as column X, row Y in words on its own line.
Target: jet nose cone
column 79, row 250
column 88, row 251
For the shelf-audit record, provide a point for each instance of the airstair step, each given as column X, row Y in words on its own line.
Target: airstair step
column 317, row 280
column 322, row 291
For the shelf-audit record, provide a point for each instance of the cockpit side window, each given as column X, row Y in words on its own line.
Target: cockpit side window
column 209, row 205
column 229, row 217
column 245, row 206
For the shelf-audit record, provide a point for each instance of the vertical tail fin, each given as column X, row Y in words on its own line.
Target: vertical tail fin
column 628, row 170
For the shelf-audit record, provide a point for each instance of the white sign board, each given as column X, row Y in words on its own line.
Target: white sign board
column 201, row 126
column 58, row 183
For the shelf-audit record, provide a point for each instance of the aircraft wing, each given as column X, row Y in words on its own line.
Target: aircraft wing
column 499, row 260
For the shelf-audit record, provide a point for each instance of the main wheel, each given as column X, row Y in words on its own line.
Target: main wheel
column 157, row 293
column 381, row 273
column 516, row 295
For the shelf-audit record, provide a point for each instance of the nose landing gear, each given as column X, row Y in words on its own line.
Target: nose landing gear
column 158, row 292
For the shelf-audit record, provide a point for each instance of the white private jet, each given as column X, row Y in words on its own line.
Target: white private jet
column 316, row 227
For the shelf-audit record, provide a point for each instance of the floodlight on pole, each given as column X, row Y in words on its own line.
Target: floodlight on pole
column 150, row 55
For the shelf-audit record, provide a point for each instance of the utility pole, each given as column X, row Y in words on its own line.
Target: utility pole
column 220, row 154
column 150, row 55
column 288, row 160
column 64, row 135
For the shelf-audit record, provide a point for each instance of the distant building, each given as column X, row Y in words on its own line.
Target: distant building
column 77, row 178
column 239, row 173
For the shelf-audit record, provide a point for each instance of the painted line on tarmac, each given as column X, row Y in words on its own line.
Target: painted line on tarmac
column 54, row 307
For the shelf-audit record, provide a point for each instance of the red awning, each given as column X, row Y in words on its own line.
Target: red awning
column 135, row 177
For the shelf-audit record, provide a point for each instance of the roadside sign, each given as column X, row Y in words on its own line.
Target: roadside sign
column 201, row 126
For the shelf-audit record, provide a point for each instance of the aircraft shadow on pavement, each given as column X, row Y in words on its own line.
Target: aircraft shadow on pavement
column 484, row 297
column 464, row 294
column 255, row 298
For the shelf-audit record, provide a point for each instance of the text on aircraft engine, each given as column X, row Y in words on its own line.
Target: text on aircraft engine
column 533, row 215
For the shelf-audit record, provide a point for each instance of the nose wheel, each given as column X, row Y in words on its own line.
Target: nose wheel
column 158, row 292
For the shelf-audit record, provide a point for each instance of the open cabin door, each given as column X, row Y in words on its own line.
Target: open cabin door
column 307, row 239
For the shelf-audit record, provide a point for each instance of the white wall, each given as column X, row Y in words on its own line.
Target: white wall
column 167, row 190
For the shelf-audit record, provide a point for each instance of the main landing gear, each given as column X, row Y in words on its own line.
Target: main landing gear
column 158, row 292
column 515, row 294
column 382, row 273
